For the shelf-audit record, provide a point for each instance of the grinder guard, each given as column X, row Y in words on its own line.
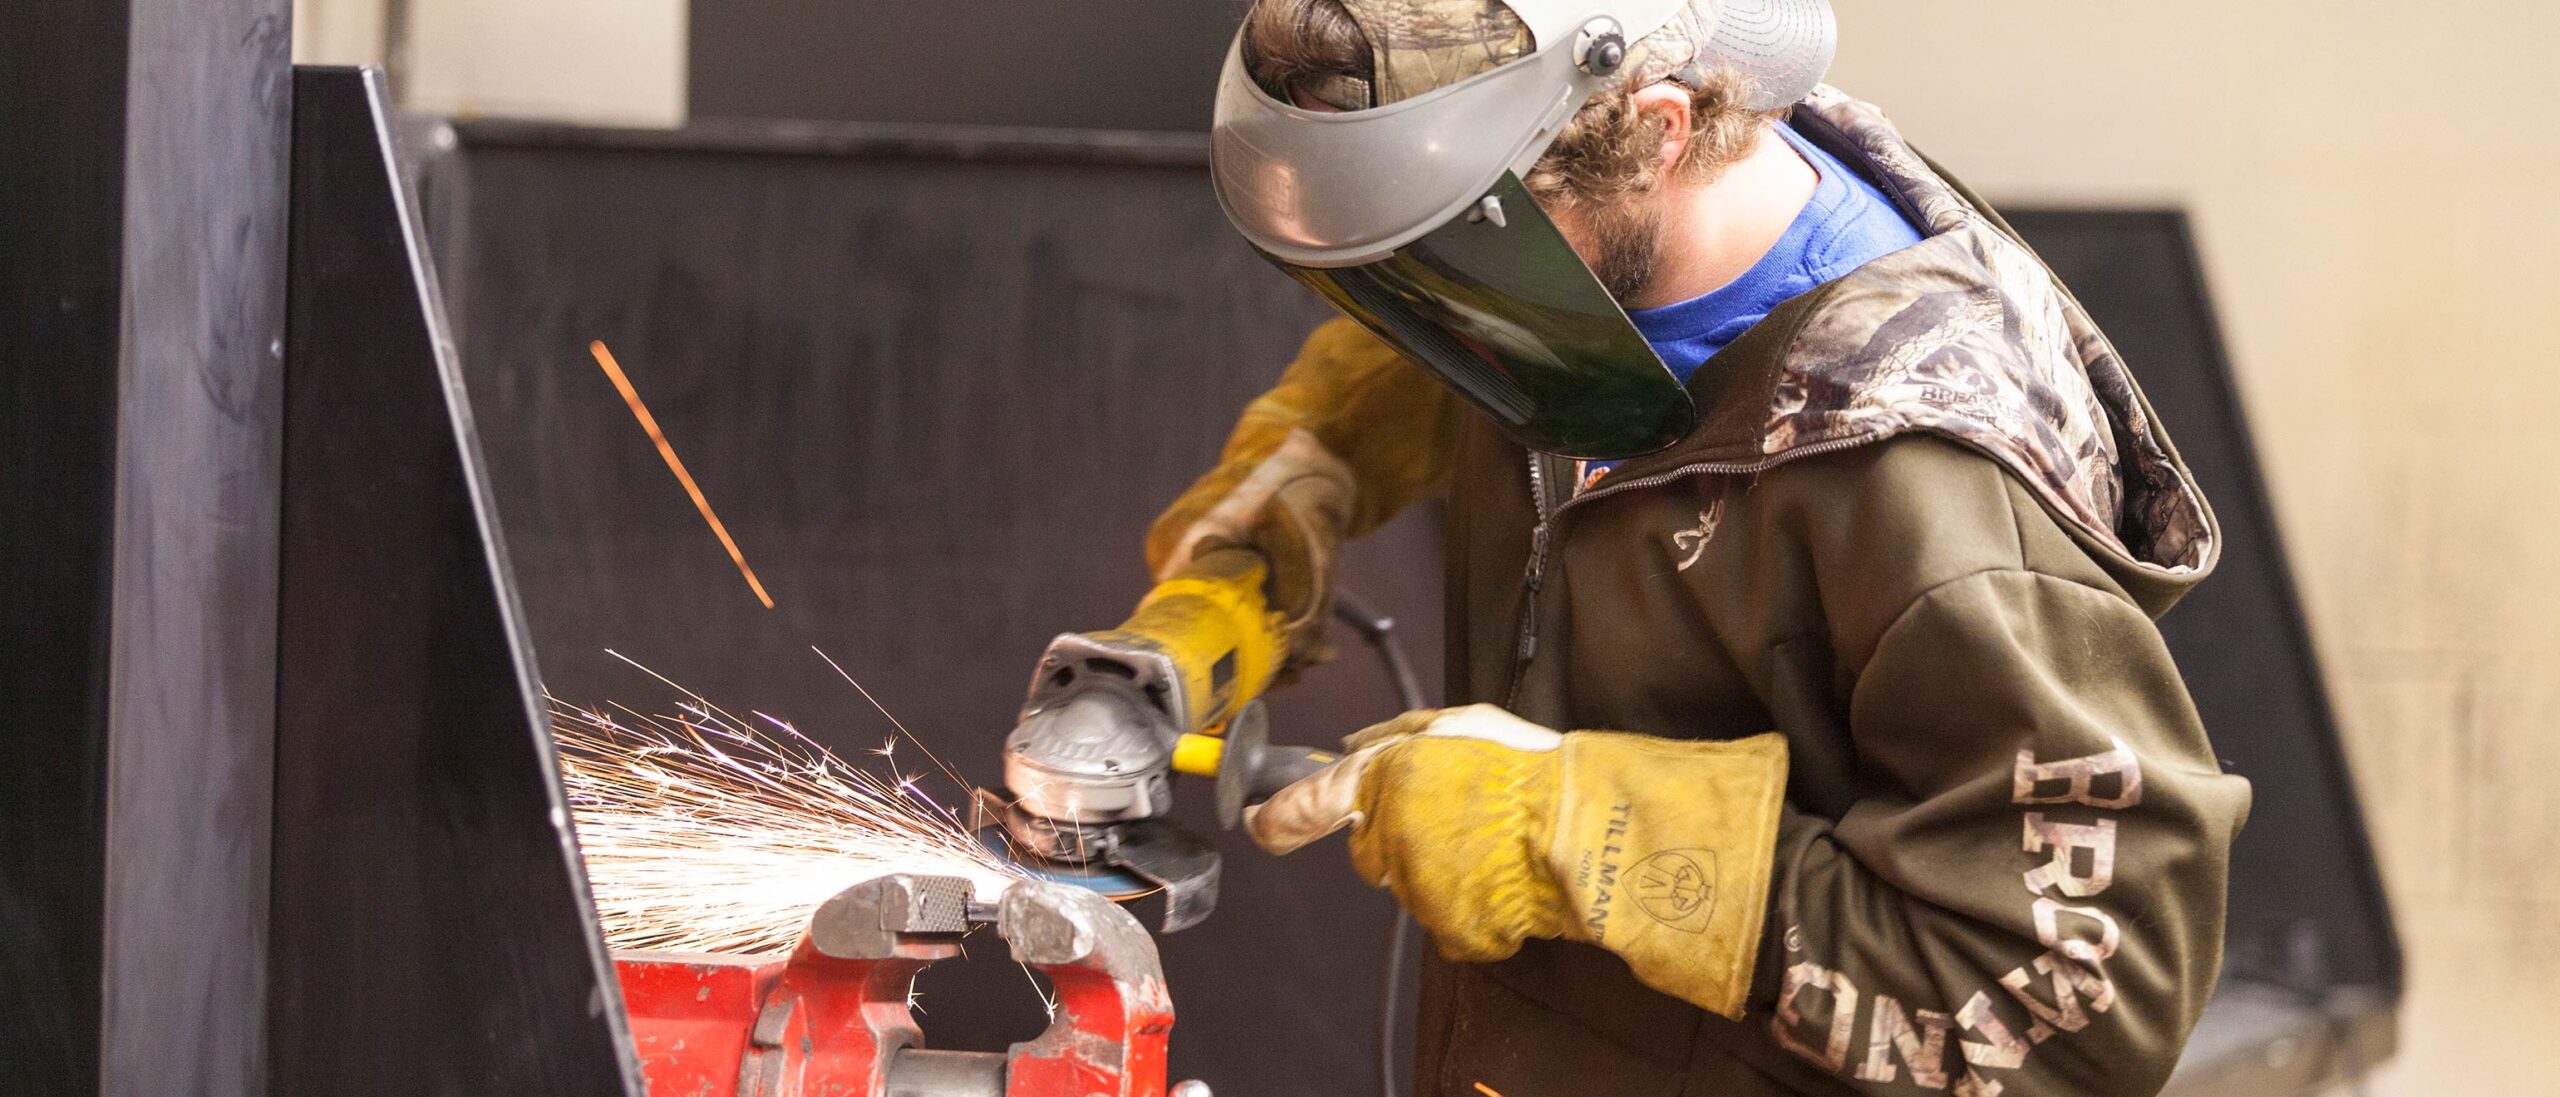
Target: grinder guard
column 1090, row 769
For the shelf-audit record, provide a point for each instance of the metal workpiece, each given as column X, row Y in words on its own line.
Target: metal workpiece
column 835, row 1018
column 916, row 1072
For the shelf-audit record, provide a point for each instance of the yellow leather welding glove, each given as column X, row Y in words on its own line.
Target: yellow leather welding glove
column 1350, row 436
column 1493, row 830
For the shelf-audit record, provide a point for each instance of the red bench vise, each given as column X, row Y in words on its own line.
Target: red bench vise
column 832, row 1019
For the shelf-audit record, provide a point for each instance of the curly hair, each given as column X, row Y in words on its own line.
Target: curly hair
column 1610, row 150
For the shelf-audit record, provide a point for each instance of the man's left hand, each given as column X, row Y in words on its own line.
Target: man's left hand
column 1493, row 830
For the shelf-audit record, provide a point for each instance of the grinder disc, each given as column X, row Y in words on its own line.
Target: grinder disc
column 1111, row 881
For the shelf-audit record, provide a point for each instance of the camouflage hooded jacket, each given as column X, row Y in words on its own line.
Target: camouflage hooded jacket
column 1923, row 531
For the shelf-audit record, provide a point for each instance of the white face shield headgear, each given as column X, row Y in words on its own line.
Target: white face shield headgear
column 1411, row 218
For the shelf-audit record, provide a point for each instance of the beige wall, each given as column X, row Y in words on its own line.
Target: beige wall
column 338, row 32
column 2372, row 186
column 613, row 62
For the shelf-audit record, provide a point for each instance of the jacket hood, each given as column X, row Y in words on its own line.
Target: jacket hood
column 1966, row 335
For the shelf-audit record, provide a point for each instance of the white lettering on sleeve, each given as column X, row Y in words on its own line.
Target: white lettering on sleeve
column 2065, row 840
column 1921, row 1040
column 1999, row 1048
column 2080, row 778
column 2074, row 860
column 1834, row 1054
column 2049, row 931
column 2070, row 980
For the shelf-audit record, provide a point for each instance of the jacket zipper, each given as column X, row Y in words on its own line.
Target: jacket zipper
column 1533, row 578
column 1550, row 516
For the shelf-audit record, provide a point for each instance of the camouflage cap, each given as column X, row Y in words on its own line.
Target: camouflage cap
column 1783, row 47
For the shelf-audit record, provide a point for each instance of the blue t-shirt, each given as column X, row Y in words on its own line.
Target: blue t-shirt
column 1847, row 224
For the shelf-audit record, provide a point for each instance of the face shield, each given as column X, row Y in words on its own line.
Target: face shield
column 1411, row 219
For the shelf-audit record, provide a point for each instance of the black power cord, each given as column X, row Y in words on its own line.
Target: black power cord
column 1379, row 630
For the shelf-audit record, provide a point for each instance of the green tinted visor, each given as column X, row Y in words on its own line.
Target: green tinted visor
column 1498, row 306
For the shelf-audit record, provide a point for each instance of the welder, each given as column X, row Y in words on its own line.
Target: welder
column 1805, row 541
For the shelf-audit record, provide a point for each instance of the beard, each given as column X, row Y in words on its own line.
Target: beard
column 1625, row 245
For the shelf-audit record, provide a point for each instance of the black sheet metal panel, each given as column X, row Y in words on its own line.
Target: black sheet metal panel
column 2307, row 906
column 141, row 294
column 1129, row 64
column 936, row 384
column 62, row 95
column 431, row 928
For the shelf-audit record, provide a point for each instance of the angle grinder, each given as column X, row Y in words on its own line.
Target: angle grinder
column 1090, row 765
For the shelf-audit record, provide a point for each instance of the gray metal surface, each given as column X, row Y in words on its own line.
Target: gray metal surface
column 431, row 927
column 1148, row 65
column 191, row 761
column 1030, row 62
column 976, row 144
column 919, row 1073
column 936, row 387
column 141, row 296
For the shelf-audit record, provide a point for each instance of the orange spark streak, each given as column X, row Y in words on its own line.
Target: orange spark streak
column 1486, row 1090
column 648, row 422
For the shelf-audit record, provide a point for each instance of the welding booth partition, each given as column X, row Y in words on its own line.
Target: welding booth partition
column 936, row 381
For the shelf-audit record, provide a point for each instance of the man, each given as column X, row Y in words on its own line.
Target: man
column 1805, row 542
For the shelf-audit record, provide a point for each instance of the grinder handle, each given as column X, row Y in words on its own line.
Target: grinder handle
column 1247, row 767
column 1280, row 767
column 1274, row 767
